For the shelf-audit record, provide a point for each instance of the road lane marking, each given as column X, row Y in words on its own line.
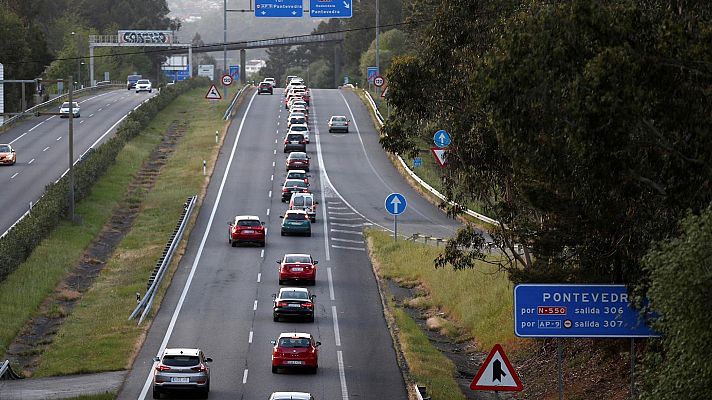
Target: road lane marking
column 31, row 161
column 254, row 308
column 322, row 171
column 244, row 377
column 341, row 213
column 33, row 128
column 331, row 284
column 59, row 138
column 275, row 151
column 270, row 194
column 81, row 122
column 262, row 253
column 259, row 277
column 46, row 148
column 20, row 137
column 336, row 326
column 14, row 175
column 271, row 178
column 268, row 211
column 347, row 248
column 350, row 232
column 347, row 240
column 347, row 225
column 91, row 115
column 250, row 339
column 273, row 163
column 275, row 140
column 99, row 109
column 344, row 219
column 342, row 376
column 199, row 254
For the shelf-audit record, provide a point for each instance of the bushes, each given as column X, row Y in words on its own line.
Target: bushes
column 19, row 243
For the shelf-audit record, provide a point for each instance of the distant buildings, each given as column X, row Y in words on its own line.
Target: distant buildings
column 253, row 67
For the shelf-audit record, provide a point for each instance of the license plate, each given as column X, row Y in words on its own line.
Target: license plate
column 297, row 269
column 293, row 305
column 248, row 231
column 295, row 362
column 295, row 142
column 180, row 380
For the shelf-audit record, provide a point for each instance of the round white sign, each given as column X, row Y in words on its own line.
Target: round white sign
column 227, row 80
column 379, row 81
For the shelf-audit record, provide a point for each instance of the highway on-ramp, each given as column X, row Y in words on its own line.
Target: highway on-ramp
column 220, row 298
column 43, row 151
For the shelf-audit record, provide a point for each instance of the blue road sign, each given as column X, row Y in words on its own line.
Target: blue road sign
column 279, row 8
column 442, row 138
column 372, row 73
column 235, row 72
column 396, row 204
column 330, row 9
column 418, row 162
column 561, row 310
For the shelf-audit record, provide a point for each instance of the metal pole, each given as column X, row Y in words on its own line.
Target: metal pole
column 378, row 47
column 71, row 149
column 632, row 368
column 190, row 61
column 225, row 71
column 559, row 362
column 395, row 228
column 92, row 81
column 24, row 102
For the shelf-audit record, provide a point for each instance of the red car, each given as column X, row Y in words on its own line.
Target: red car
column 7, row 155
column 295, row 350
column 246, row 229
column 297, row 160
column 297, row 267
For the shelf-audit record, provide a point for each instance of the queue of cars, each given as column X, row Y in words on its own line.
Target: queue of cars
column 187, row 368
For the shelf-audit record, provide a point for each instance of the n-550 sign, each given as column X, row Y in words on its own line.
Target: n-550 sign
column 145, row 37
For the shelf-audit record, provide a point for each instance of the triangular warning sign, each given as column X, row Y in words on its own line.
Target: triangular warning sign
column 384, row 94
column 213, row 93
column 497, row 373
column 440, row 155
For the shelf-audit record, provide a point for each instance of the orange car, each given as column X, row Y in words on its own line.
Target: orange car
column 7, row 155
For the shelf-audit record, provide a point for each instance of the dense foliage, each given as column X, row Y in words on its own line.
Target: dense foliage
column 17, row 245
column 583, row 127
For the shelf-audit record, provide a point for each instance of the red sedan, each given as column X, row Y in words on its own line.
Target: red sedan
column 246, row 229
column 297, row 160
column 297, row 267
column 295, row 350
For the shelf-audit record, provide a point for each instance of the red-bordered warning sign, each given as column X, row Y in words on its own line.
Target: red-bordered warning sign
column 213, row 93
column 440, row 155
column 497, row 373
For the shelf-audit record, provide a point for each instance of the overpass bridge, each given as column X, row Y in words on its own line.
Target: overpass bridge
column 175, row 47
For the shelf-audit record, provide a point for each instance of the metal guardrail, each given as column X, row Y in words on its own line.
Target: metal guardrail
column 226, row 116
column 421, row 393
column 57, row 99
column 162, row 265
column 420, row 181
column 6, row 372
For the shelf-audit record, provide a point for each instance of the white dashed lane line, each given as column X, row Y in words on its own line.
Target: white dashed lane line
column 250, row 339
column 14, row 175
column 331, row 284
column 81, row 122
column 254, row 308
column 270, row 194
column 31, row 161
column 337, row 336
column 59, row 138
column 259, row 277
column 244, row 377
column 46, row 148
column 91, row 115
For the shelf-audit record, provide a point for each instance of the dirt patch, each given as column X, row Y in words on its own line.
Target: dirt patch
column 27, row 348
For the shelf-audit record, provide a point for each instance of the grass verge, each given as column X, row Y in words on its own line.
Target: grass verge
column 97, row 336
column 477, row 300
column 103, row 396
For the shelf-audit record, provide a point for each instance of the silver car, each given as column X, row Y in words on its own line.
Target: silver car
column 291, row 396
column 64, row 109
column 181, row 369
column 338, row 123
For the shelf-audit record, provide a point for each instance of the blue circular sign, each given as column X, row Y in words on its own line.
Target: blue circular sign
column 442, row 138
column 396, row 204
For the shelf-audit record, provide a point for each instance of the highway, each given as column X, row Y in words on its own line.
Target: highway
column 220, row 298
column 42, row 149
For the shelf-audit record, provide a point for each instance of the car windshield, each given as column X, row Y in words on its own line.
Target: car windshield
column 297, row 259
column 294, row 342
column 295, row 217
column 143, row 81
column 295, row 136
column 295, row 183
column 181, row 361
column 248, row 222
column 299, row 128
column 5, row 149
column 297, row 156
column 294, row 295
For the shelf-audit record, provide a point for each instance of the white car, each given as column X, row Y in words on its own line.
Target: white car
column 64, row 110
column 271, row 81
column 300, row 128
column 143, row 85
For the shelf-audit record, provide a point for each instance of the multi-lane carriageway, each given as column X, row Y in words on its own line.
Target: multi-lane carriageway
column 220, row 297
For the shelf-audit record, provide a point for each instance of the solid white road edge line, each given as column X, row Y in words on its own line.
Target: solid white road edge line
column 342, row 376
column 336, row 327
column 179, row 306
column 331, row 284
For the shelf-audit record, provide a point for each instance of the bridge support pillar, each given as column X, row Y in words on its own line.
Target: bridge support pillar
column 243, row 73
column 92, row 81
column 337, row 64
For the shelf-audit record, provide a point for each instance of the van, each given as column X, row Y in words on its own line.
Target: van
column 131, row 81
column 306, row 202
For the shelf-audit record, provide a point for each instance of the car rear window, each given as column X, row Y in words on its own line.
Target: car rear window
column 293, row 342
column 298, row 201
column 248, row 222
column 295, row 136
column 296, row 175
column 295, row 217
column 295, row 183
column 297, row 259
column 295, row 295
column 339, row 119
column 299, row 128
column 181, row 361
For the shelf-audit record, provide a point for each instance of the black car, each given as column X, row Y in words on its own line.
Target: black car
column 293, row 302
column 295, row 142
column 265, row 87
column 293, row 186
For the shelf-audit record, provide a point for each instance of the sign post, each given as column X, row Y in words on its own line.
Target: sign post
column 395, row 205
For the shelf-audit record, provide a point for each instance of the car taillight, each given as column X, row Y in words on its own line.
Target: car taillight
column 305, row 190
column 286, row 142
column 282, row 304
column 307, row 305
column 303, row 142
column 285, row 190
column 199, row 368
column 162, row 368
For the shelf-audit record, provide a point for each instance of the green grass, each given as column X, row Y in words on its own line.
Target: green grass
column 103, row 396
column 477, row 300
column 427, row 365
column 97, row 336
column 24, row 290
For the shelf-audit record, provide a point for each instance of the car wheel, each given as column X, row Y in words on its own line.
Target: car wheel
column 282, row 233
column 313, row 370
column 275, row 318
column 263, row 244
column 310, row 319
column 233, row 243
column 309, row 234
column 150, row 91
column 281, row 282
column 312, row 283
column 156, row 394
column 274, row 369
column 313, row 220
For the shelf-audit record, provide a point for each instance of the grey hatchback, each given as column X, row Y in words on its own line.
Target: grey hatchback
column 181, row 369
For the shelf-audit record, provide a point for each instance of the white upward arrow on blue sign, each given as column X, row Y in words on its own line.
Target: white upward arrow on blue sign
column 396, row 204
column 442, row 138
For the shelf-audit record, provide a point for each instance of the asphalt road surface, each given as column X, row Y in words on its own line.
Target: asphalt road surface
column 41, row 145
column 220, row 298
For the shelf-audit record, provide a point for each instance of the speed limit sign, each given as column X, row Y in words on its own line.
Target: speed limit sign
column 378, row 80
column 227, row 80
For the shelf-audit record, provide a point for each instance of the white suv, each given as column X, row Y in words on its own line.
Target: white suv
column 143, row 85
